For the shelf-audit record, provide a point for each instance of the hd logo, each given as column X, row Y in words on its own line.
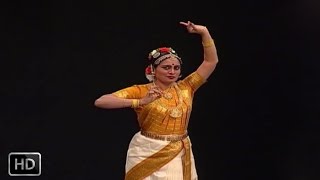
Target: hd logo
column 24, row 164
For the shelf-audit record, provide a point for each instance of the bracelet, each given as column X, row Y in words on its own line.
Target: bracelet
column 135, row 103
column 208, row 43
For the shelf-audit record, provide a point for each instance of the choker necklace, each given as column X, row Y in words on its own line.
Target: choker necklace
column 166, row 94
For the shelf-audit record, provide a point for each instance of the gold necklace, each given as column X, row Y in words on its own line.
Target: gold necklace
column 176, row 111
column 166, row 94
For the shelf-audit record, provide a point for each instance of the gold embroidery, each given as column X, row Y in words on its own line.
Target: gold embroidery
column 156, row 118
column 146, row 167
column 121, row 94
column 167, row 95
column 195, row 80
column 176, row 111
column 186, row 159
column 155, row 161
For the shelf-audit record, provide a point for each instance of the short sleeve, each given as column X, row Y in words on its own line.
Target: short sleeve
column 131, row 92
column 194, row 80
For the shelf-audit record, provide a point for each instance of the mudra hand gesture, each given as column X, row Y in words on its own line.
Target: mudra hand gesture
column 194, row 28
column 153, row 94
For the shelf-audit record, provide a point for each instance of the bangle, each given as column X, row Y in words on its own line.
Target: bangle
column 208, row 43
column 135, row 103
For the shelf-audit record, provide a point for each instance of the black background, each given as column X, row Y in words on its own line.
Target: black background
column 256, row 118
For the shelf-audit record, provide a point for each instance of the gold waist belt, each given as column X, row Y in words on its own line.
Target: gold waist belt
column 173, row 137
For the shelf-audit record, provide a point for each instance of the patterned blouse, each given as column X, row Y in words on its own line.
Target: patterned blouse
column 169, row 114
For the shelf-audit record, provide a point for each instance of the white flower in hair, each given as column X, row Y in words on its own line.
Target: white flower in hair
column 149, row 73
column 157, row 54
column 151, row 54
column 150, row 77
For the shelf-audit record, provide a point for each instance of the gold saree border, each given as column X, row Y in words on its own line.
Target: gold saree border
column 186, row 160
column 153, row 163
